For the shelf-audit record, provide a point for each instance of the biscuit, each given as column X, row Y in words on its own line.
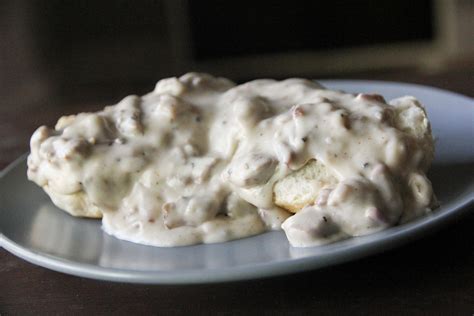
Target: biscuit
column 303, row 187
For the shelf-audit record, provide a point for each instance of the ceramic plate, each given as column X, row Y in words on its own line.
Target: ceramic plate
column 33, row 228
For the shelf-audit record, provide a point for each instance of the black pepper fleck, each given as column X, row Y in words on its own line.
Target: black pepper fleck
column 325, row 219
column 304, row 139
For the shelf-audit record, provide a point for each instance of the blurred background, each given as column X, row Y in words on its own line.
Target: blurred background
column 59, row 57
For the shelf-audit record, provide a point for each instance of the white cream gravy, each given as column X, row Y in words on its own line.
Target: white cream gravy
column 195, row 161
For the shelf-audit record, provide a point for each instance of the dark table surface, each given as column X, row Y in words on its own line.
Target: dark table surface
column 434, row 275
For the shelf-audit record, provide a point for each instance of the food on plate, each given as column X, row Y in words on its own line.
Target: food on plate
column 203, row 160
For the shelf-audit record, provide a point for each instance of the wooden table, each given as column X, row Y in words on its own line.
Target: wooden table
column 434, row 275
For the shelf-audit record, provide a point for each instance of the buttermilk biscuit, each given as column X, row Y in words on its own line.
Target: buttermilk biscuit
column 303, row 187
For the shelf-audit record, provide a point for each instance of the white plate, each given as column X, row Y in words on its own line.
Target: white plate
column 34, row 229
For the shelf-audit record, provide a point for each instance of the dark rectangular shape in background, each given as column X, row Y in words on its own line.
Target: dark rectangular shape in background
column 224, row 29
